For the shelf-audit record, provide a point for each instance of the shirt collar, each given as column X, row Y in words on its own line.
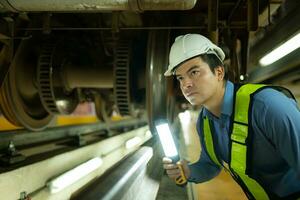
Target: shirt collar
column 227, row 101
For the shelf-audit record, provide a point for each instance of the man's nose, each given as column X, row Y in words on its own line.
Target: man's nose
column 187, row 83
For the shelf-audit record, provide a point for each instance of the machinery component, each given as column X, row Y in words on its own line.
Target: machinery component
column 7, row 49
column 91, row 5
column 45, row 78
column 51, row 82
column 24, row 196
column 79, row 141
column 212, row 26
column 157, row 84
column 89, row 76
column 51, row 86
column 5, row 109
column 59, row 77
column 12, row 156
column 99, row 52
column 129, row 75
column 121, row 74
column 19, row 97
column 4, row 63
column 252, row 15
column 20, row 137
column 104, row 107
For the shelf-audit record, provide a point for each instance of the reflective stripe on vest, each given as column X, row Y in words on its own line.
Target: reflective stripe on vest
column 209, row 142
column 238, row 141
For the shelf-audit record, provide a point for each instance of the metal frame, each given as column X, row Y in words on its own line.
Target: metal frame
column 28, row 138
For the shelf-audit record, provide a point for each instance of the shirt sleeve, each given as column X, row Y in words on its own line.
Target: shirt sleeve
column 281, row 123
column 204, row 169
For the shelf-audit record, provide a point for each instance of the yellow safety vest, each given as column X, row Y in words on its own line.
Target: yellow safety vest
column 238, row 161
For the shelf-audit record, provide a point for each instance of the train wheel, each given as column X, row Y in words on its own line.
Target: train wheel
column 20, row 100
column 158, row 86
column 104, row 108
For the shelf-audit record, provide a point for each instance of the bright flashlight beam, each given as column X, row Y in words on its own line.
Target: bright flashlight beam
column 166, row 140
column 281, row 51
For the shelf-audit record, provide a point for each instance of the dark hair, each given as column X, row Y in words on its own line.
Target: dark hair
column 213, row 62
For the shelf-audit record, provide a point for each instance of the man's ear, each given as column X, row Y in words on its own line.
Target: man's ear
column 220, row 72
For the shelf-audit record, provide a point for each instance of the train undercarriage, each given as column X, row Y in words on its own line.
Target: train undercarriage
column 56, row 55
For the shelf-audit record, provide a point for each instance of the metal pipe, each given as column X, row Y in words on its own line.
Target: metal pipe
column 213, row 7
column 110, row 28
column 237, row 5
column 27, row 138
column 94, row 5
column 75, row 76
column 252, row 15
column 166, row 4
column 114, row 184
column 233, row 25
column 244, row 53
column 213, row 11
column 214, row 36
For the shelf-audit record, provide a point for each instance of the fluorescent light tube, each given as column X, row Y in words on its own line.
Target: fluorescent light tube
column 70, row 177
column 281, row 51
column 166, row 140
column 133, row 142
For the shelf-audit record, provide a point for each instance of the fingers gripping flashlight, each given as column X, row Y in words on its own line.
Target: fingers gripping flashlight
column 169, row 148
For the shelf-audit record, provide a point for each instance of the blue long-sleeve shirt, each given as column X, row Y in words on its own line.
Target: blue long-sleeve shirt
column 276, row 146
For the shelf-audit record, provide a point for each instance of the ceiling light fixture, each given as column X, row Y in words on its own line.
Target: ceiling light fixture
column 281, row 51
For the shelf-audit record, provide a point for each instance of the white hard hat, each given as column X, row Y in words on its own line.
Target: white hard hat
column 188, row 46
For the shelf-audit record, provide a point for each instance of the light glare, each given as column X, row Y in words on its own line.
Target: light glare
column 281, row 51
column 185, row 117
column 74, row 175
column 148, row 134
column 133, row 142
column 61, row 103
column 242, row 77
column 166, row 140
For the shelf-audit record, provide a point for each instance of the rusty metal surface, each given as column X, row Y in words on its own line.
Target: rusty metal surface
column 167, row 4
column 95, row 5
column 75, row 5
column 27, row 138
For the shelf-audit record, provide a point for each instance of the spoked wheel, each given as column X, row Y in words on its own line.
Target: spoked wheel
column 104, row 108
column 158, row 88
column 129, row 76
column 19, row 96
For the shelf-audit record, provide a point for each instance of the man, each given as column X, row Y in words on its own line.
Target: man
column 253, row 131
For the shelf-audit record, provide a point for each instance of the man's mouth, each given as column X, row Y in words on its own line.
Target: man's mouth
column 190, row 94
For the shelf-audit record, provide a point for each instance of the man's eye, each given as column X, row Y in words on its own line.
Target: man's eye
column 195, row 72
column 179, row 78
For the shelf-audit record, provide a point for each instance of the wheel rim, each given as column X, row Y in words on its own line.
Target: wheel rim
column 20, row 100
column 157, row 84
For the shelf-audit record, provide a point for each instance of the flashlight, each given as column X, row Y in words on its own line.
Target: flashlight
column 169, row 148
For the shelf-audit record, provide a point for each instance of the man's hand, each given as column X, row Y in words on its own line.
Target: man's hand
column 173, row 170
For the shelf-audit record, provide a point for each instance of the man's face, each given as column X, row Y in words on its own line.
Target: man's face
column 197, row 82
